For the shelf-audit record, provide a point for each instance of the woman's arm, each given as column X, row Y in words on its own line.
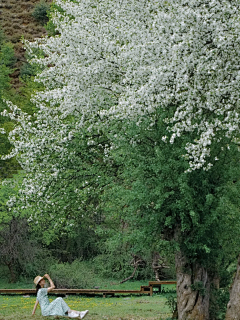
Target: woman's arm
column 35, row 307
column 52, row 286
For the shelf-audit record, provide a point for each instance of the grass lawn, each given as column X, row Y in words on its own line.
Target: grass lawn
column 122, row 307
column 143, row 307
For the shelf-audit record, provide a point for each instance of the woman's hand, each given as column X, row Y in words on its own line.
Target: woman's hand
column 52, row 286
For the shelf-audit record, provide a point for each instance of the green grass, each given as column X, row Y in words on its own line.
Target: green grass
column 111, row 284
column 121, row 307
column 138, row 307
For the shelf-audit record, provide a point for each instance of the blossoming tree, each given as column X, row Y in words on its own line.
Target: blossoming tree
column 178, row 54
column 117, row 60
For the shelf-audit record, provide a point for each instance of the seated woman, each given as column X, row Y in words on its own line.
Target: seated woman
column 58, row 307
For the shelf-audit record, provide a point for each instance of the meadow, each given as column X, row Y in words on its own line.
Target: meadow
column 121, row 307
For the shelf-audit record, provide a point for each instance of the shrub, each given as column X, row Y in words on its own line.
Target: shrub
column 218, row 303
column 2, row 36
column 42, row 261
column 78, row 274
column 119, row 265
column 172, row 304
column 40, row 12
column 15, row 36
column 113, row 266
column 27, row 70
column 7, row 57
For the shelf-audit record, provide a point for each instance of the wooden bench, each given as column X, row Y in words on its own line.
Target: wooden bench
column 104, row 292
column 158, row 284
column 143, row 290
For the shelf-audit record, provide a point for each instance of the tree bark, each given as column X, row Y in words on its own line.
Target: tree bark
column 158, row 265
column 193, row 290
column 233, row 307
column 12, row 272
column 132, row 275
column 136, row 262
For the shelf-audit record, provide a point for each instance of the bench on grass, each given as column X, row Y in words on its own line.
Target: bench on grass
column 143, row 290
column 155, row 284
column 158, row 284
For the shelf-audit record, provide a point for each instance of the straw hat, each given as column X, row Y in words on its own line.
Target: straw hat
column 37, row 279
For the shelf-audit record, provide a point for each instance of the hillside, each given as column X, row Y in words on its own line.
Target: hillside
column 17, row 21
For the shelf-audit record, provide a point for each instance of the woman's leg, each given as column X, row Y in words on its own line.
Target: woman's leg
column 75, row 314
column 70, row 310
column 83, row 313
column 57, row 307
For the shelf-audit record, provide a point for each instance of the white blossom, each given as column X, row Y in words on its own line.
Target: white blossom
column 128, row 58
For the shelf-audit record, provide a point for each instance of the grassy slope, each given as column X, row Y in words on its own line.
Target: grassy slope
column 17, row 21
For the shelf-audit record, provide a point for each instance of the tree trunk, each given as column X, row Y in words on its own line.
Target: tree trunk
column 12, row 272
column 233, row 307
column 193, row 290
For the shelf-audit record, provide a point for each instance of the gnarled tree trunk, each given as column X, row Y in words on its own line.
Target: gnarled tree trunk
column 233, row 307
column 193, row 290
column 158, row 264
